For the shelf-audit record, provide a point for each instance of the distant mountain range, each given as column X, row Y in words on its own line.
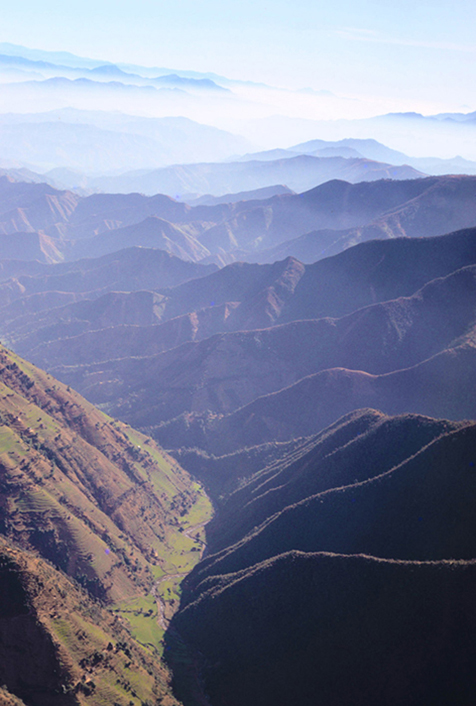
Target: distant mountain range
column 207, row 359
column 62, row 82
column 58, row 74
column 299, row 173
column 325, row 406
column 80, row 143
column 371, row 149
column 89, row 142
column 57, row 225
column 410, row 133
column 297, row 327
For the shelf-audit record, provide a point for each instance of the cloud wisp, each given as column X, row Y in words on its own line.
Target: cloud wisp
column 358, row 34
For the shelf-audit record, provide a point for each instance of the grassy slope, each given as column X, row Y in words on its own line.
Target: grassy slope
column 99, row 500
column 78, row 652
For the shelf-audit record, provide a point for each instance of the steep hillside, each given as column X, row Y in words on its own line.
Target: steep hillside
column 335, row 629
column 239, row 297
column 337, row 214
column 218, row 374
column 113, row 514
column 210, row 346
column 407, row 512
column 437, row 386
column 344, row 574
column 403, row 333
column 77, row 653
column 31, row 246
column 445, row 206
column 367, row 273
column 153, row 232
column 79, row 343
column 377, row 271
column 335, row 205
column 347, row 452
column 95, row 497
column 31, row 207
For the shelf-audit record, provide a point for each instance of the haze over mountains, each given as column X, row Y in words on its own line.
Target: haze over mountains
column 320, row 222
column 212, row 345
column 291, row 334
column 233, row 369
column 90, row 118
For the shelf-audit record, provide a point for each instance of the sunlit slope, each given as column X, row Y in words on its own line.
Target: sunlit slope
column 102, row 502
column 77, row 652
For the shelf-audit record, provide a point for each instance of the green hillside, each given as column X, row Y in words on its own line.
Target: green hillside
column 78, row 652
column 102, row 504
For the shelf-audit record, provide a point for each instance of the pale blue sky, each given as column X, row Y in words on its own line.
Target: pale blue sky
column 413, row 49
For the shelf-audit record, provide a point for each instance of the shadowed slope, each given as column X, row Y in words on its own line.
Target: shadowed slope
column 300, row 609
column 337, row 630
column 377, row 271
column 352, row 450
column 422, row 509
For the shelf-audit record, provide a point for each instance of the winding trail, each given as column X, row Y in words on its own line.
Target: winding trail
column 161, row 619
column 194, row 528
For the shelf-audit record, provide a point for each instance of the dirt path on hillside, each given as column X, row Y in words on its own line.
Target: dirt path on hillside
column 188, row 533
column 161, row 619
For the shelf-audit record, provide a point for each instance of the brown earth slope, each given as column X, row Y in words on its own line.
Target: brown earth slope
column 60, row 648
column 93, row 496
column 94, row 519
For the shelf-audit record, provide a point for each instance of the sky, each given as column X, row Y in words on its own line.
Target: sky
column 418, row 54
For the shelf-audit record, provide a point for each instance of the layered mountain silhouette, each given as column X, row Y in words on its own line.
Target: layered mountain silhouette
column 130, row 269
column 343, row 537
column 299, row 173
column 239, row 296
column 93, row 142
column 371, row 149
column 297, row 327
column 342, row 574
column 325, row 220
column 122, row 348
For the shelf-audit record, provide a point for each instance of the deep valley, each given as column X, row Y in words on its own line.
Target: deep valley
column 237, row 413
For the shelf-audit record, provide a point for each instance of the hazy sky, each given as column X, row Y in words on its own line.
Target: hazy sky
column 411, row 50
